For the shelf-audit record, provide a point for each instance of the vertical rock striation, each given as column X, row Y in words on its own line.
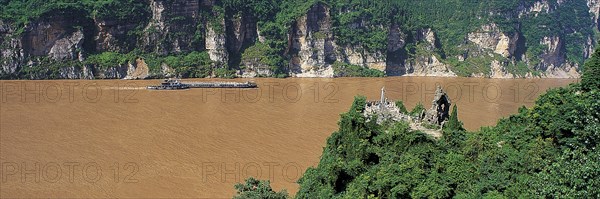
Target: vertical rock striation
column 311, row 44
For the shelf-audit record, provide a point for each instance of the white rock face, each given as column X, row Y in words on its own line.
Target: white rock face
column 538, row 7
column 11, row 53
column 156, row 26
column 312, row 39
column 428, row 66
column 137, row 70
column 320, row 72
column 164, row 33
column 358, row 56
column 215, row 44
column 564, row 71
column 426, row 35
column 553, row 60
column 594, row 6
column 498, row 70
column 553, row 44
column 167, row 71
column 68, row 47
column 490, row 37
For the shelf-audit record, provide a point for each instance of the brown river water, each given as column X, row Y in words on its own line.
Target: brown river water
column 113, row 138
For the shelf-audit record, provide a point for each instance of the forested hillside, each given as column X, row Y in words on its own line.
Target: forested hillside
column 547, row 151
column 201, row 38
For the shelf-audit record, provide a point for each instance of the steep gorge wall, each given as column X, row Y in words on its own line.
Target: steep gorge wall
column 183, row 26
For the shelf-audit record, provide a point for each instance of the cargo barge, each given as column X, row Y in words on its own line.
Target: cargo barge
column 169, row 84
column 174, row 84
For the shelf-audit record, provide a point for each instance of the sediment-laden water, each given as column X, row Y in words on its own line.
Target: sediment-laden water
column 113, row 138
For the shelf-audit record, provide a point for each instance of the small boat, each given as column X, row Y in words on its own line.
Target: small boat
column 169, row 84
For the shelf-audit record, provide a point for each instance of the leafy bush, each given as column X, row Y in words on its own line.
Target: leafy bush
column 401, row 106
column 224, row 73
column 341, row 69
column 253, row 189
column 591, row 75
column 417, row 110
column 109, row 59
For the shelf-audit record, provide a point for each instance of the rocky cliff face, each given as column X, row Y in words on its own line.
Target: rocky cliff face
column 489, row 37
column 314, row 49
column 12, row 54
column 182, row 26
column 551, row 62
column 427, row 63
column 215, row 43
column 172, row 26
column 312, row 44
column 594, row 6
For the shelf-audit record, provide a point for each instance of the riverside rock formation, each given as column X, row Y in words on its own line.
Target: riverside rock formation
column 440, row 108
column 308, row 43
column 384, row 110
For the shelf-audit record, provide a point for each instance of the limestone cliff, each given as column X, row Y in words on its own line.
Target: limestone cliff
column 215, row 42
column 489, row 37
column 313, row 48
column 12, row 54
column 172, row 26
column 312, row 44
column 594, row 6
column 526, row 42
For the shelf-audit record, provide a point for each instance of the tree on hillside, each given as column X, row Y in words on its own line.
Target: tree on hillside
column 591, row 72
column 254, row 188
column 454, row 133
column 453, row 122
column 417, row 110
column 401, row 106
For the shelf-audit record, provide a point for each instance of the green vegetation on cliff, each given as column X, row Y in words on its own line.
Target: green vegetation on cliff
column 341, row 69
column 361, row 24
column 22, row 12
column 191, row 65
column 591, row 75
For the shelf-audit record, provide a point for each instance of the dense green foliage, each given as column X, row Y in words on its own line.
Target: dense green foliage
column 549, row 150
column 417, row 110
column 454, row 124
column 341, row 69
column 591, row 75
column 401, row 106
column 263, row 56
column 191, row 65
column 22, row 12
column 44, row 67
column 253, row 189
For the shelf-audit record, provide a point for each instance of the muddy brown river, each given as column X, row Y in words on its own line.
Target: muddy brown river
column 113, row 138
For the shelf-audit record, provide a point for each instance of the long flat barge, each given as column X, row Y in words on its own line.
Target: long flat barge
column 221, row 84
column 174, row 84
